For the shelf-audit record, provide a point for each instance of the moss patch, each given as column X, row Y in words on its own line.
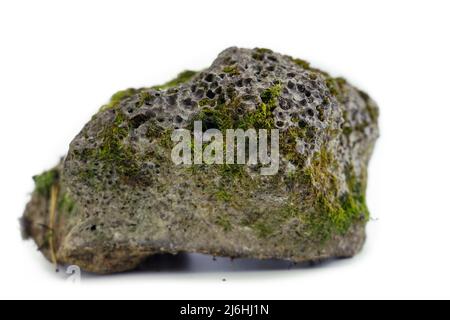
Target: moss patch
column 119, row 97
column 232, row 115
column 183, row 77
column 231, row 70
column 45, row 181
column 268, row 224
column 334, row 213
column 116, row 153
column 224, row 222
column 113, row 152
column 302, row 64
column 336, row 87
column 224, row 195
column 260, row 53
column 66, row 204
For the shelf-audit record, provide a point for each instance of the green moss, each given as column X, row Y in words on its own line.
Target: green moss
column 347, row 130
column 207, row 102
column 371, row 108
column 262, row 117
column 264, row 229
column 145, row 97
column 354, row 209
column 268, row 223
column 302, row 64
column 223, row 195
column 336, row 86
column 116, row 153
column 289, row 138
column 165, row 139
column 270, row 95
column 329, row 212
column 113, row 152
column 232, row 172
column 118, row 97
column 224, row 222
column 232, row 115
column 263, row 50
column 66, row 203
column 183, row 77
column 48, row 234
column 45, row 181
column 333, row 213
column 374, row 113
column 217, row 117
column 154, row 131
column 112, row 149
column 223, row 116
column 88, row 175
column 259, row 53
column 231, row 70
column 338, row 216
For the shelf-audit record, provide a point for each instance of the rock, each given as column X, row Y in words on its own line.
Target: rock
column 118, row 198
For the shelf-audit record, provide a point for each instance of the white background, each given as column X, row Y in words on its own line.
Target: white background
column 61, row 60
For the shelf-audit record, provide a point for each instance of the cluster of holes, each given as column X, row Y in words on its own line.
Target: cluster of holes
column 305, row 100
column 302, row 92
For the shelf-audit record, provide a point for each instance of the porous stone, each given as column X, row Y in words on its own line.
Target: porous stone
column 121, row 199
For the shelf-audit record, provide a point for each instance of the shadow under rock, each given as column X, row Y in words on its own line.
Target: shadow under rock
column 199, row 263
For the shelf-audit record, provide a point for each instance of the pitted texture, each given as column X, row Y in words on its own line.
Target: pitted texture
column 244, row 74
column 131, row 201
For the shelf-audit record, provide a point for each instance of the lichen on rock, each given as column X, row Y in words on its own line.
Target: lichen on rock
column 121, row 198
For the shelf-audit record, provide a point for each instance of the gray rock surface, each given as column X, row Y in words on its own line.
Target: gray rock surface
column 120, row 199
